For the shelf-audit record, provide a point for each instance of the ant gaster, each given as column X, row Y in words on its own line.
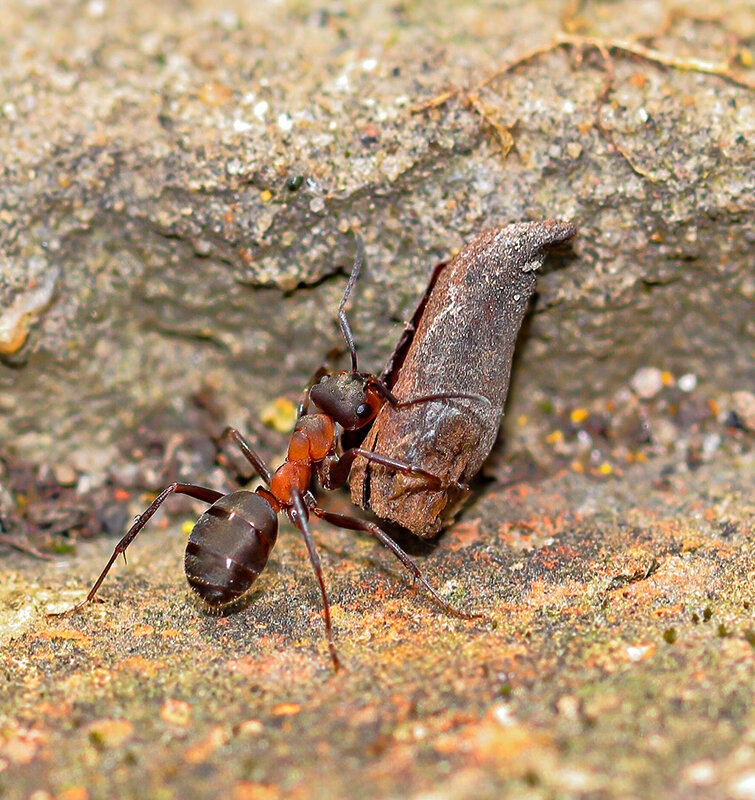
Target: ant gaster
column 230, row 543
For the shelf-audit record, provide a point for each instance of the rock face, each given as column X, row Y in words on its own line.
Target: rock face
column 167, row 188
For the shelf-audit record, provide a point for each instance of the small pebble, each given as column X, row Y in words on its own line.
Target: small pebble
column 65, row 474
column 578, row 415
column 176, row 712
column 280, row 415
column 743, row 404
column 214, row 93
column 647, row 382
column 8, row 402
column 711, row 443
column 688, row 382
column 106, row 733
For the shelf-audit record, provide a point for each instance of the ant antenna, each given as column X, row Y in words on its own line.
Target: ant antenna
column 342, row 321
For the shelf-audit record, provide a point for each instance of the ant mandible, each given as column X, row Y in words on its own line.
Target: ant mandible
column 230, row 543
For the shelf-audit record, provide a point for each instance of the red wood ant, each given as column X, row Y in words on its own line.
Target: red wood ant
column 230, row 543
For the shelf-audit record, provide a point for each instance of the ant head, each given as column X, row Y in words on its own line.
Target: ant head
column 350, row 398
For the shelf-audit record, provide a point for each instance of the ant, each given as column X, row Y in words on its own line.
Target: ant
column 230, row 543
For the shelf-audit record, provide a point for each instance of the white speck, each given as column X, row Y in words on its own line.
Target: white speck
column 688, row 382
column 343, row 82
column 517, row 297
column 261, row 109
column 503, row 716
column 228, row 563
column 10, row 111
column 642, row 114
column 700, row 773
column 369, row 64
column 228, row 20
column 568, row 107
column 637, row 653
column 711, row 443
column 401, row 100
column 96, row 9
column 233, row 167
column 744, row 786
column 285, row 123
column 241, row 125
column 577, row 780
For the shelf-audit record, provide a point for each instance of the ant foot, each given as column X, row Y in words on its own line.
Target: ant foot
column 71, row 611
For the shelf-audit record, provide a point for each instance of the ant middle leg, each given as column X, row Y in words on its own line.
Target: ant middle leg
column 197, row 492
column 354, row 524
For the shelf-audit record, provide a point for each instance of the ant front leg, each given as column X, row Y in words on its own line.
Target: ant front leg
column 335, row 473
column 354, row 524
column 197, row 492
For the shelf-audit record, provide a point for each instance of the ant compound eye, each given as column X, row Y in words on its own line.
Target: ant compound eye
column 363, row 410
column 324, row 379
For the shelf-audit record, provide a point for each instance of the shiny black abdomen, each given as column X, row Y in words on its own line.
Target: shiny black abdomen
column 229, row 546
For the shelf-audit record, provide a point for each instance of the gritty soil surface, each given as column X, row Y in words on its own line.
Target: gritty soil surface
column 180, row 188
column 615, row 658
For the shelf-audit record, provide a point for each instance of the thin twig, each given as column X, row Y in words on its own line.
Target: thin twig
column 604, row 46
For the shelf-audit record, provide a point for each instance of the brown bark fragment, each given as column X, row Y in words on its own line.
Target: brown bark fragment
column 461, row 340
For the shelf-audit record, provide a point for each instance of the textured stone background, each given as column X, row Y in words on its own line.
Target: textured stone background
column 145, row 178
column 179, row 186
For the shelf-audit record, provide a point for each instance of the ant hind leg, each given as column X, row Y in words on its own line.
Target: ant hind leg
column 354, row 524
column 249, row 453
column 209, row 496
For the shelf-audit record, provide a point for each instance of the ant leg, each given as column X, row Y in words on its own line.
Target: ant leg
column 299, row 516
column 338, row 472
column 354, row 524
column 428, row 398
column 302, row 407
column 197, row 492
column 249, row 453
